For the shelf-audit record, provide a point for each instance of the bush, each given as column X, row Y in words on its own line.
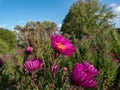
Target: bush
column 3, row 47
column 95, row 49
column 8, row 37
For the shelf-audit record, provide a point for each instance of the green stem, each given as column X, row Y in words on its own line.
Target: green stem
column 33, row 81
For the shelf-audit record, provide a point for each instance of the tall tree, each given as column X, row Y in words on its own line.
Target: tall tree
column 85, row 17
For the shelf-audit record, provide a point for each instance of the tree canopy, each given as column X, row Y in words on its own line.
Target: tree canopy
column 42, row 28
column 85, row 17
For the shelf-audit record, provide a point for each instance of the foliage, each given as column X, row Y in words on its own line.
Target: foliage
column 87, row 26
column 8, row 37
column 95, row 41
column 85, row 17
column 3, row 47
column 50, row 27
column 94, row 49
column 43, row 28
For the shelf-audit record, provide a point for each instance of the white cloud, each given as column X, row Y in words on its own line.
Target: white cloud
column 59, row 26
column 11, row 28
column 6, row 26
column 3, row 25
column 117, row 10
column 113, row 5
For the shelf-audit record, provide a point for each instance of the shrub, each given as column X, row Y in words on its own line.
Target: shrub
column 4, row 48
column 8, row 37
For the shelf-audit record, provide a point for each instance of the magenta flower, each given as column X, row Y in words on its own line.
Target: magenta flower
column 65, row 69
column 62, row 45
column 54, row 69
column 86, row 36
column 111, row 54
column 94, row 48
column 1, row 62
column 33, row 64
column 116, row 59
column 83, row 75
column 104, row 81
column 28, row 49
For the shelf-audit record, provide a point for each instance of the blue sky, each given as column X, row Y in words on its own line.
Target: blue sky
column 18, row 12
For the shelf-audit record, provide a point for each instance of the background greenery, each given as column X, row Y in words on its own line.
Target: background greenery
column 86, row 25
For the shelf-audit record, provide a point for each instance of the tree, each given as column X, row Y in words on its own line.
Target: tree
column 97, row 41
column 8, row 37
column 85, row 17
column 50, row 27
column 47, row 26
column 44, row 29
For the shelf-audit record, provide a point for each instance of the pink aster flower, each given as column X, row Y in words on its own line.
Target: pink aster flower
column 86, row 36
column 33, row 64
column 83, row 75
column 62, row 45
column 28, row 49
column 54, row 69
column 116, row 59
column 104, row 81
column 65, row 69
column 1, row 62
column 111, row 54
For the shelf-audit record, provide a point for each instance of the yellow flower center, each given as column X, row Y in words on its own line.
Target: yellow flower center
column 60, row 46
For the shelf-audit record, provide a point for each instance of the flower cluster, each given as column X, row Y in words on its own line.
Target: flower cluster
column 32, row 64
column 82, row 74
